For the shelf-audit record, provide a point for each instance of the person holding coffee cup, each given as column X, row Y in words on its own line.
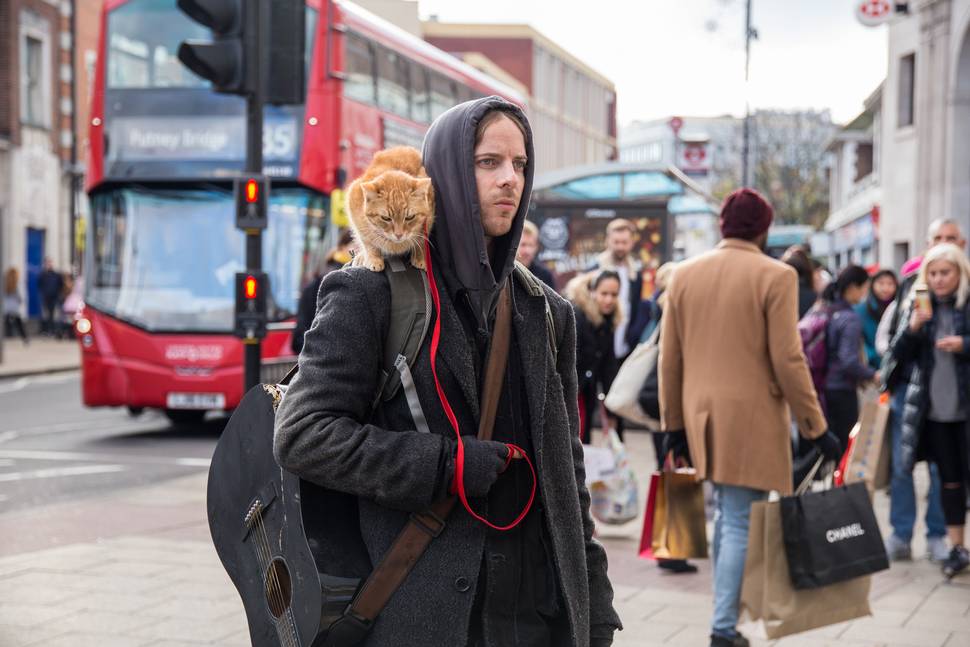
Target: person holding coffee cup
column 937, row 341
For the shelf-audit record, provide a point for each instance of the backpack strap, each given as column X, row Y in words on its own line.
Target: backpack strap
column 409, row 319
column 533, row 286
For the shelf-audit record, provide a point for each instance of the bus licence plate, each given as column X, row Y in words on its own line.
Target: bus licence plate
column 196, row 401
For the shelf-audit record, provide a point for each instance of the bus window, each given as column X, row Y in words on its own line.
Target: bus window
column 143, row 37
column 420, row 97
column 442, row 94
column 465, row 93
column 358, row 68
column 392, row 83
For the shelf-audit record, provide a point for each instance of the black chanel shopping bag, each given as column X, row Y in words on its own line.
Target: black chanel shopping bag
column 831, row 536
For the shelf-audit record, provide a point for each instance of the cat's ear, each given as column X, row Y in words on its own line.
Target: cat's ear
column 422, row 187
column 371, row 190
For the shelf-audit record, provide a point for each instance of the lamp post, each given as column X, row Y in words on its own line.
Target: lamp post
column 749, row 34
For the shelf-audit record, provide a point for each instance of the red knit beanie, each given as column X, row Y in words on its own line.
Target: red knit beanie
column 745, row 214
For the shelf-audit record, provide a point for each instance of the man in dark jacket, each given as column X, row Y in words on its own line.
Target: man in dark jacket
column 545, row 581
column 620, row 256
column 50, row 284
column 528, row 253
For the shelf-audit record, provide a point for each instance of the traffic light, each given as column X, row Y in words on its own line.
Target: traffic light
column 251, row 193
column 228, row 60
column 250, row 320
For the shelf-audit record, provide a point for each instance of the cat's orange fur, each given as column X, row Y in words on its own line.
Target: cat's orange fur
column 391, row 207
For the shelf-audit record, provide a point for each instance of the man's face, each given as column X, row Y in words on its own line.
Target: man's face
column 500, row 162
column 948, row 233
column 620, row 243
column 528, row 248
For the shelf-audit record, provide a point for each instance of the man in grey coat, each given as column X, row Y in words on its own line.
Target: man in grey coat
column 542, row 583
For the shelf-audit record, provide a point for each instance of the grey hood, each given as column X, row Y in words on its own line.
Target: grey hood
column 457, row 239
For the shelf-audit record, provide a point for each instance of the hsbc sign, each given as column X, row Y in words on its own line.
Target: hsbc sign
column 873, row 13
column 695, row 158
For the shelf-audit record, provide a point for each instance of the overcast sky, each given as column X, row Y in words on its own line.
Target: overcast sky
column 686, row 57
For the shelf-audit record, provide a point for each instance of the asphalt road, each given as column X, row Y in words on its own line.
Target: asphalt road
column 53, row 449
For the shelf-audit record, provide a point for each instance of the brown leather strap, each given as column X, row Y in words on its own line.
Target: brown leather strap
column 422, row 527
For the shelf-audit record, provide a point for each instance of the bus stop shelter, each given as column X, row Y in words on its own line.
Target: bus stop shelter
column 674, row 218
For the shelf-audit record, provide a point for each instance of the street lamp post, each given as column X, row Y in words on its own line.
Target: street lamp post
column 749, row 33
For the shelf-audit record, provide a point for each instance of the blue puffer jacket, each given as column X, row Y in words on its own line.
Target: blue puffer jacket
column 846, row 370
column 916, row 349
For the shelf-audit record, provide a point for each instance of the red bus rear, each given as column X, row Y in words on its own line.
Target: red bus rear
column 162, row 248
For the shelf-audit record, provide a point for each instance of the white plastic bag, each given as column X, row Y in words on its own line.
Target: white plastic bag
column 611, row 481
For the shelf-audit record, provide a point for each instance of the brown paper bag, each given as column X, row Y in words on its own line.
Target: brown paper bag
column 679, row 523
column 869, row 458
column 767, row 593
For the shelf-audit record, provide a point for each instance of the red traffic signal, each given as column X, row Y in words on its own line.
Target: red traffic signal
column 250, row 287
column 252, row 190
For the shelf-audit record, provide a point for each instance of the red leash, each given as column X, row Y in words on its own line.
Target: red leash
column 460, row 458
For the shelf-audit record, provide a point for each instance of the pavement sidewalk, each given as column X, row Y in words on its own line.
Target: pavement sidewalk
column 40, row 355
column 137, row 569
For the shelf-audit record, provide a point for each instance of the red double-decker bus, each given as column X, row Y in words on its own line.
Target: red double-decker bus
column 162, row 249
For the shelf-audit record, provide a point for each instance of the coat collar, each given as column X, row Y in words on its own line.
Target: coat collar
column 455, row 352
column 605, row 262
column 739, row 243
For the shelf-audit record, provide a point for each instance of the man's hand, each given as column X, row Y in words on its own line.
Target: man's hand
column 951, row 344
column 918, row 319
column 830, row 446
column 484, row 461
column 675, row 443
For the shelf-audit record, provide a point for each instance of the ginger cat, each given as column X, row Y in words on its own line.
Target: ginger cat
column 391, row 207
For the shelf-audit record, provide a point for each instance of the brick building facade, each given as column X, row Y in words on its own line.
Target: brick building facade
column 46, row 50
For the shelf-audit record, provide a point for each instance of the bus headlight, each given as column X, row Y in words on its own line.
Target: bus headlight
column 83, row 326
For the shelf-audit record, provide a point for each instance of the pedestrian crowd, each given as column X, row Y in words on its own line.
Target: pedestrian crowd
column 58, row 296
column 757, row 369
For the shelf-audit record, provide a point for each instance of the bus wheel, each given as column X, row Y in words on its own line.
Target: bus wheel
column 134, row 412
column 184, row 417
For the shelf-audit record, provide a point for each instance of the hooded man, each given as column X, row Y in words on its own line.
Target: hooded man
column 545, row 581
column 731, row 365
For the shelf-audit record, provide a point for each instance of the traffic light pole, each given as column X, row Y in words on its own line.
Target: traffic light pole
column 252, row 347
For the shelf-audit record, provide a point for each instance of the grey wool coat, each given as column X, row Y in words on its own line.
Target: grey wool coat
column 321, row 436
column 326, row 433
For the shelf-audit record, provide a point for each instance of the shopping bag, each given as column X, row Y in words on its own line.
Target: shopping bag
column 623, row 398
column 613, row 492
column 831, row 536
column 768, row 596
column 679, row 523
column 646, row 535
column 868, row 458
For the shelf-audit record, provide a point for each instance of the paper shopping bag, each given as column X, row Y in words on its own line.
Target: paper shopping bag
column 646, row 535
column 868, row 461
column 831, row 536
column 767, row 594
column 679, row 522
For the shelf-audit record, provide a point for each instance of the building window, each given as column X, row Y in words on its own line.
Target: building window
column 35, row 70
column 863, row 161
column 907, row 89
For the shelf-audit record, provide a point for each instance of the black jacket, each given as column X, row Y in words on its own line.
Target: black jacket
column 806, row 297
column 916, row 350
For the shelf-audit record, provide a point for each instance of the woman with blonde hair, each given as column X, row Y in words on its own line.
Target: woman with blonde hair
column 12, row 301
column 937, row 343
column 596, row 301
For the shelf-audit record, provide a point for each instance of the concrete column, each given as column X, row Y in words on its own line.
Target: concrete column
column 932, row 84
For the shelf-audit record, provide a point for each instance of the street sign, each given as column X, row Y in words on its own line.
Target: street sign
column 873, row 13
column 675, row 123
column 695, row 158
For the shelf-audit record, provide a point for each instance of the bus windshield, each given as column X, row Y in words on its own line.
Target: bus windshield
column 166, row 260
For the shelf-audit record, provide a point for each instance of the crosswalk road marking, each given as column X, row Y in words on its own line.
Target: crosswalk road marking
column 56, row 472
